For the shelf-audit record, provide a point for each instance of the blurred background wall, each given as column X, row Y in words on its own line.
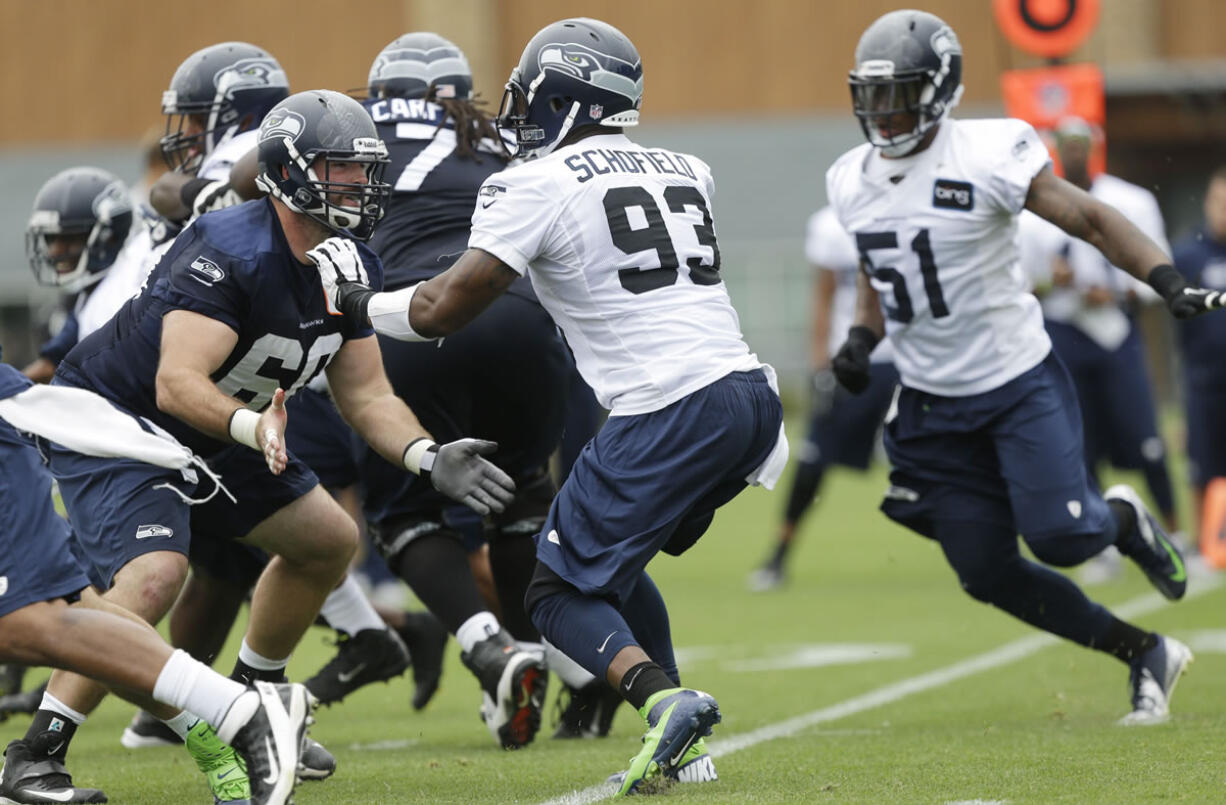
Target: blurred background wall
column 757, row 89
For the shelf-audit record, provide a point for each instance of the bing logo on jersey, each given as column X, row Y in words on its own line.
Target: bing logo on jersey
column 950, row 195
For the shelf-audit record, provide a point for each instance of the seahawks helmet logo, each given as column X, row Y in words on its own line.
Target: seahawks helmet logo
column 249, row 74
column 112, row 202
column 569, row 58
column 282, row 123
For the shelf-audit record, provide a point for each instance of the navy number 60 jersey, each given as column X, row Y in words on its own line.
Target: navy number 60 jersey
column 234, row 266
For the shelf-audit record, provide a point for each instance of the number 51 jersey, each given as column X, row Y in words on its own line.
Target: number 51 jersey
column 936, row 233
column 622, row 252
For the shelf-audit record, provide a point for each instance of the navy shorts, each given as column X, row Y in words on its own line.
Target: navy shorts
column 1206, row 411
column 1114, row 392
column 504, row 378
column 1009, row 457
column 652, row 482
column 321, row 439
column 119, row 511
column 36, row 562
column 847, row 433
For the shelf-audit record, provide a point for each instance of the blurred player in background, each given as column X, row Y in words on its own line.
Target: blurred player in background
column 1089, row 310
column 985, row 436
column 1201, row 258
column 842, row 428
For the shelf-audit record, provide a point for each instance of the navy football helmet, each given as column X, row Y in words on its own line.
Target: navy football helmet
column 420, row 65
column 81, row 220
column 312, row 133
column 221, row 91
column 908, row 66
column 577, row 72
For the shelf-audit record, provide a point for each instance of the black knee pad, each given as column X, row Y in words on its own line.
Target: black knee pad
column 394, row 535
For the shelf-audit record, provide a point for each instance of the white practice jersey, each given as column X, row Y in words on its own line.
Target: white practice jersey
column 830, row 248
column 221, row 159
column 621, row 249
column 937, row 233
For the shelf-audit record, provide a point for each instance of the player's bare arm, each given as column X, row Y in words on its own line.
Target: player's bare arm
column 1102, row 226
column 851, row 364
column 366, row 400
column 431, row 309
column 193, row 347
column 448, row 301
column 166, row 195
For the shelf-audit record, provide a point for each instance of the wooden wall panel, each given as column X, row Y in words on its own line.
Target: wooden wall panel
column 1193, row 29
column 76, row 70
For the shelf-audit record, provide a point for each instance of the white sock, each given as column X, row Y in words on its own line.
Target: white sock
column 182, row 723
column 571, row 672
column 479, row 627
column 257, row 661
column 347, row 609
column 192, row 686
column 56, row 706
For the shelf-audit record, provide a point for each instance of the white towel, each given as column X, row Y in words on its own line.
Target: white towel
column 768, row 472
column 86, row 423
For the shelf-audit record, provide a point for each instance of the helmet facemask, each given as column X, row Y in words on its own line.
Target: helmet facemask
column 345, row 207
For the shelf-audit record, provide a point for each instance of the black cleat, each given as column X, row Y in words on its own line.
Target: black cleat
column 32, row 775
column 372, row 655
column 513, row 683
column 316, row 762
column 426, row 637
column 588, row 712
column 1150, row 547
column 144, row 730
column 267, row 726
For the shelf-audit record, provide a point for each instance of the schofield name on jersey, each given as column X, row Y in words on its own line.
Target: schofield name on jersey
column 951, row 195
column 599, row 161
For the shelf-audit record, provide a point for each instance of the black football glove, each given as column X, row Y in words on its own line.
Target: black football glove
column 1184, row 302
column 851, row 362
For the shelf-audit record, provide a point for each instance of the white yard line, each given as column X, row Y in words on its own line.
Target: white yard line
column 1004, row 655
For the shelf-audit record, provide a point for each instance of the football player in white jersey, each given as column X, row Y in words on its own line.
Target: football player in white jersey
column 984, row 435
column 1089, row 319
column 842, row 429
column 619, row 242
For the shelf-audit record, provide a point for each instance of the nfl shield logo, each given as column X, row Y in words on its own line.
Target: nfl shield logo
column 596, row 111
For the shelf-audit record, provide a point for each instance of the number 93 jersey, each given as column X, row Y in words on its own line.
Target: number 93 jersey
column 936, row 233
column 622, row 252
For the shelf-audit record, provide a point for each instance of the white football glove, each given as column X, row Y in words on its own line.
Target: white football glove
column 339, row 263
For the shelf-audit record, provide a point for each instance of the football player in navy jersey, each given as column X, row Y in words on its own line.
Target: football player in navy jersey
column 984, row 435
column 39, row 579
column 442, row 148
column 231, row 322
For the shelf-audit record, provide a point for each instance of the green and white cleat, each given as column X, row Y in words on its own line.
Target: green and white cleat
column 696, row 767
column 221, row 765
column 677, row 721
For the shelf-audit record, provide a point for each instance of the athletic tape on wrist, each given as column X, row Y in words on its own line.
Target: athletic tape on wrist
column 389, row 314
column 242, row 427
column 419, row 455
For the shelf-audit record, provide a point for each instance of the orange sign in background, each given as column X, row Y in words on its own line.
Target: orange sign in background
column 1049, row 28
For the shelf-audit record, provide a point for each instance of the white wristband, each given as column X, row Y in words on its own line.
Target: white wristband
column 242, row 427
column 416, row 453
column 389, row 314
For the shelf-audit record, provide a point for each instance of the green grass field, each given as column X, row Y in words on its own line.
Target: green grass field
column 1037, row 728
